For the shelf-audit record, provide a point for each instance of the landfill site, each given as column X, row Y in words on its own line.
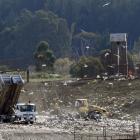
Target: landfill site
column 100, row 108
column 119, row 97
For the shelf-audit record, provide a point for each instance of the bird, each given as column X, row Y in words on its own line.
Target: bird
column 87, row 47
column 43, row 65
column 106, row 54
column 110, row 66
column 65, row 83
column 124, row 46
column 83, row 31
column 85, row 65
column 106, row 4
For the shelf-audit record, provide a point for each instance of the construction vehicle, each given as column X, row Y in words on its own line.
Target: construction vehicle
column 25, row 112
column 89, row 111
column 10, row 87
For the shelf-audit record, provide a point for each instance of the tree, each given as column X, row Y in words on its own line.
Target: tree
column 86, row 44
column 62, row 66
column 44, row 56
column 87, row 67
column 24, row 23
column 130, row 62
column 105, row 58
column 136, row 48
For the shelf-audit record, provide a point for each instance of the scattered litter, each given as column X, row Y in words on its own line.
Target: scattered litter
column 31, row 93
column 85, row 76
column 45, row 84
column 65, row 83
column 129, row 84
column 111, row 84
column 98, row 76
column 23, row 90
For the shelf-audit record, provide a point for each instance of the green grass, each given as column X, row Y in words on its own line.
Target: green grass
column 43, row 76
column 40, row 76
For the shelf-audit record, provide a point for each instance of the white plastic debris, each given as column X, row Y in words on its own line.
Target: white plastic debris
column 110, row 83
column 98, row 76
column 129, row 84
column 31, row 93
column 65, row 83
column 45, row 84
column 85, row 76
column 23, row 90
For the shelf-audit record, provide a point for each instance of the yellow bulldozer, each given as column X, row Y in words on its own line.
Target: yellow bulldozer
column 90, row 111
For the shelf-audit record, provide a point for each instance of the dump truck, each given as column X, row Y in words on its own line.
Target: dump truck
column 90, row 111
column 25, row 112
column 10, row 87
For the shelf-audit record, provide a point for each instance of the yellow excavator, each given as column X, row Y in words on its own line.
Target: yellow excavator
column 90, row 111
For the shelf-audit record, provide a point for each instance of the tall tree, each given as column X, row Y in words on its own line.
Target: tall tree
column 44, row 56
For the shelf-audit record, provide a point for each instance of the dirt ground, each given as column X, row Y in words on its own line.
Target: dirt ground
column 56, row 128
column 121, row 98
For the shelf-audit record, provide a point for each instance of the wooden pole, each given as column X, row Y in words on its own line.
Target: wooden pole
column 28, row 75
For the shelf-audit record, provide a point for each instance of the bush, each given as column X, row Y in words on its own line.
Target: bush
column 4, row 68
column 62, row 66
column 86, row 67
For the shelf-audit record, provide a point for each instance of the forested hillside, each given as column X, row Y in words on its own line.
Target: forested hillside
column 67, row 25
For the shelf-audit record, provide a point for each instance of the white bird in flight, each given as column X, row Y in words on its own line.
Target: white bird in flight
column 83, row 31
column 106, row 54
column 106, row 4
column 111, row 66
column 87, row 47
column 85, row 65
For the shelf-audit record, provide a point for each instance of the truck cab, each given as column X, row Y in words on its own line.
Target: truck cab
column 82, row 106
column 25, row 112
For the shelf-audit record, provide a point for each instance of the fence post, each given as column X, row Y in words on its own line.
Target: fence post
column 134, row 131
column 139, row 130
column 104, row 132
column 89, row 133
column 28, row 75
column 74, row 133
column 81, row 136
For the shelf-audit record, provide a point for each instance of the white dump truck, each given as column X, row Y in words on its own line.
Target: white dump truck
column 25, row 112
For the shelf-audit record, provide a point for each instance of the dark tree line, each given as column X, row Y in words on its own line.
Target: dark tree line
column 67, row 25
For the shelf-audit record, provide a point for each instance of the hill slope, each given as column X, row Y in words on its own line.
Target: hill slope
column 121, row 98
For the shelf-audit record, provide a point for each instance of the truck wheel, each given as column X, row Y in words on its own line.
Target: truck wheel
column 31, row 122
column 91, row 115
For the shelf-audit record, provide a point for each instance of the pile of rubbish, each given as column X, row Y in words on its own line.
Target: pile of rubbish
column 68, row 123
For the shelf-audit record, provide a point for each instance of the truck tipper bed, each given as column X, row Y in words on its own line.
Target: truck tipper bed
column 10, row 87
